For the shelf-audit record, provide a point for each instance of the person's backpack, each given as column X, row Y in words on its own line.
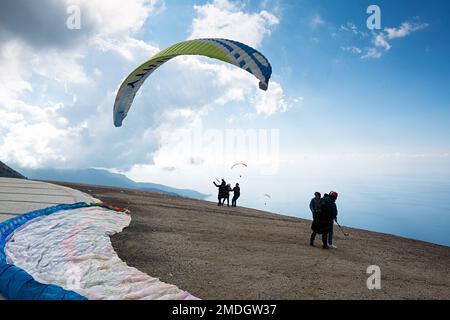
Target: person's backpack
column 325, row 213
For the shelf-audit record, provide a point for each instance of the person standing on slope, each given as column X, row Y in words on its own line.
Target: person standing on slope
column 226, row 194
column 236, row 194
column 222, row 191
column 334, row 196
column 328, row 214
column 314, row 206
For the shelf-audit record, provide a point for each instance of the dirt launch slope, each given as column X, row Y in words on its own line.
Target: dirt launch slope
column 239, row 253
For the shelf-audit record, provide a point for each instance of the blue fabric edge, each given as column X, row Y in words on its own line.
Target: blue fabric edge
column 16, row 283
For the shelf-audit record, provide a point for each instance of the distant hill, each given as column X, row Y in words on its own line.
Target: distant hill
column 7, row 172
column 106, row 178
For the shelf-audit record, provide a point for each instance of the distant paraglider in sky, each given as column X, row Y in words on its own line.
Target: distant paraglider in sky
column 229, row 51
column 267, row 196
column 238, row 165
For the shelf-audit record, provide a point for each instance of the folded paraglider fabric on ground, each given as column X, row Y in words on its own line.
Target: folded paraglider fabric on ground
column 65, row 252
column 17, row 284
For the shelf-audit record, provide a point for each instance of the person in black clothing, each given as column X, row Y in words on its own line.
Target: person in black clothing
column 236, row 194
column 333, row 195
column 314, row 206
column 226, row 194
column 222, row 191
column 328, row 213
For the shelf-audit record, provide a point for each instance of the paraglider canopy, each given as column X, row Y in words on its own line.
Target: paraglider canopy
column 268, row 197
column 233, row 52
column 238, row 164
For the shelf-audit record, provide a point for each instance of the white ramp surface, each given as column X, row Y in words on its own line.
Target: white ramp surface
column 18, row 196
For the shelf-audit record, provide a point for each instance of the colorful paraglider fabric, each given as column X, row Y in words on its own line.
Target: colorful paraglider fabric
column 15, row 283
column 76, row 253
column 230, row 51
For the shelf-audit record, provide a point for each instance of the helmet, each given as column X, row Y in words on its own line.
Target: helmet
column 333, row 194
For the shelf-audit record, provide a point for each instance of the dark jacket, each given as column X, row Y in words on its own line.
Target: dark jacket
column 315, row 206
column 223, row 190
column 328, row 212
column 237, row 192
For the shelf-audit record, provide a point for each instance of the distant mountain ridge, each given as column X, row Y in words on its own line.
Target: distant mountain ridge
column 107, row 178
column 7, row 172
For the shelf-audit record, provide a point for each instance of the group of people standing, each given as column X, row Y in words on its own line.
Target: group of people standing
column 224, row 193
column 324, row 213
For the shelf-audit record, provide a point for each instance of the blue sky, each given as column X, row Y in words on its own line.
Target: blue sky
column 396, row 103
column 347, row 104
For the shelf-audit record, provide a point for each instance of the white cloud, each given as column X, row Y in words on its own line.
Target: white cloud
column 353, row 29
column 352, row 49
column 274, row 101
column 381, row 41
column 57, row 110
column 225, row 84
column 371, row 53
column 117, row 24
column 51, row 111
column 13, row 84
column 316, row 21
column 113, row 18
column 127, row 47
column 30, row 134
column 225, row 19
column 349, row 27
column 97, row 72
column 62, row 67
column 31, row 144
column 404, row 30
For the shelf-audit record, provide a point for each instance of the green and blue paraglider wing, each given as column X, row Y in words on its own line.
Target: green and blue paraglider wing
column 229, row 51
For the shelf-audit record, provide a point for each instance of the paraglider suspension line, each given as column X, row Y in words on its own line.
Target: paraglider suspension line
column 345, row 234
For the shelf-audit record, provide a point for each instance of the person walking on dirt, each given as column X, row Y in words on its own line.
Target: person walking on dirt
column 222, row 191
column 327, row 216
column 314, row 206
column 236, row 194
